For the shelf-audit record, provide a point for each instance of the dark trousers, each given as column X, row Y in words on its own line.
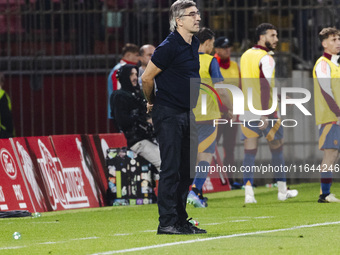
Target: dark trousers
column 177, row 137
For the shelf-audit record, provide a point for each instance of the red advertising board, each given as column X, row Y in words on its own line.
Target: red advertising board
column 64, row 172
column 115, row 140
column 31, row 174
column 13, row 194
column 78, row 169
column 44, row 159
column 66, row 186
column 217, row 181
column 99, row 160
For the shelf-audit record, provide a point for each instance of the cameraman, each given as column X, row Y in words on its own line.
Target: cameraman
column 128, row 107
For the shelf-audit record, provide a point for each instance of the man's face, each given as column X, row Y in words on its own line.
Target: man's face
column 270, row 39
column 132, row 57
column 145, row 58
column 332, row 44
column 223, row 53
column 134, row 77
column 190, row 20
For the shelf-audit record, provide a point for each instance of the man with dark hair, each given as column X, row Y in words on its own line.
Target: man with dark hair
column 326, row 74
column 262, row 30
column 258, row 73
column 174, row 63
column 130, row 55
column 129, row 111
column 210, row 74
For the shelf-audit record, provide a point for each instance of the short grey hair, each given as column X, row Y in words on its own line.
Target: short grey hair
column 177, row 9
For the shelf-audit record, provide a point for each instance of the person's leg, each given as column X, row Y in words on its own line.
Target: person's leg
column 329, row 158
column 250, row 150
column 188, row 162
column 207, row 143
column 149, row 151
column 195, row 196
column 276, row 149
column 229, row 143
column 187, row 168
column 329, row 136
column 250, row 137
column 274, row 136
column 169, row 135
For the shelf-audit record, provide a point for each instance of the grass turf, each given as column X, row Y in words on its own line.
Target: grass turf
column 109, row 229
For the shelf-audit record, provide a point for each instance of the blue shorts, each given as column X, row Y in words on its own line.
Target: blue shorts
column 206, row 138
column 329, row 137
column 274, row 130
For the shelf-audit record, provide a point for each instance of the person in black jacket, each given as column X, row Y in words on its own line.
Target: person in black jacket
column 6, row 119
column 128, row 107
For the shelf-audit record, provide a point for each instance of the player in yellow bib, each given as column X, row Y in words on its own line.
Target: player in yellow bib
column 258, row 73
column 210, row 74
column 326, row 74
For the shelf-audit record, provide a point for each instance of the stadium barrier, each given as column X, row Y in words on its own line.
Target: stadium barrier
column 217, row 180
column 59, row 172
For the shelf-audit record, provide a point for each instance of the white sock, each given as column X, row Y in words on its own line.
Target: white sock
column 249, row 190
column 282, row 186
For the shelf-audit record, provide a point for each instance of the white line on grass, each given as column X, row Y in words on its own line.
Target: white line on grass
column 238, row 220
column 216, row 238
column 76, row 239
column 49, row 222
column 85, row 238
column 12, row 248
column 48, row 243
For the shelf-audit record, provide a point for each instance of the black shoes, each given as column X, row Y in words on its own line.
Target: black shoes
column 191, row 229
column 170, row 230
column 180, row 229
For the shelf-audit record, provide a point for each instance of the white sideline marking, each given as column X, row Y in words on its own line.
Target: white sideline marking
column 47, row 222
column 122, row 234
column 241, row 220
column 12, row 248
column 147, row 231
column 76, row 239
column 216, row 238
column 85, row 238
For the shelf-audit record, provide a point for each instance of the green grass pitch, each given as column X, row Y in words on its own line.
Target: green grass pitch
column 268, row 227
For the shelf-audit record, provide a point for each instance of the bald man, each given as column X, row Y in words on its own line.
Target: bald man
column 145, row 53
